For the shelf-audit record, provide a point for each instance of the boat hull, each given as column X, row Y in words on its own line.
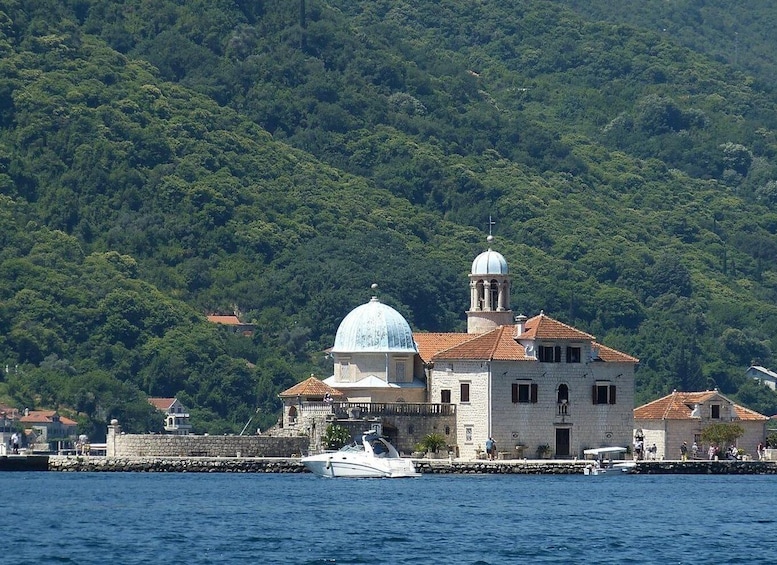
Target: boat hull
column 333, row 466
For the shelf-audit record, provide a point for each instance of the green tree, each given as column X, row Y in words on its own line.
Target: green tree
column 722, row 434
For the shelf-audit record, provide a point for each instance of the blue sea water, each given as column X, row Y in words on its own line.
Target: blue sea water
column 133, row 518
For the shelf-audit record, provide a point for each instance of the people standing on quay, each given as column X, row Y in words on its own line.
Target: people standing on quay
column 490, row 448
column 711, row 452
column 15, row 443
column 694, row 450
column 684, row 451
column 638, row 446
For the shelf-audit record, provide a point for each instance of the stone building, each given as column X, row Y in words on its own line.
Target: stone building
column 682, row 416
column 46, row 430
column 536, row 386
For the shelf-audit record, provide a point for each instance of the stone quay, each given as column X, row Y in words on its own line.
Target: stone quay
column 72, row 463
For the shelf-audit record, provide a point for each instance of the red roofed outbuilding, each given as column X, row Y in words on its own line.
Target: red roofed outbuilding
column 682, row 417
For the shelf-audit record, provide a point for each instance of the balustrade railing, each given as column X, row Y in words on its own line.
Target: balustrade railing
column 381, row 408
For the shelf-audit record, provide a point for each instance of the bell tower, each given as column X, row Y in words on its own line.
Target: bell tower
column 489, row 286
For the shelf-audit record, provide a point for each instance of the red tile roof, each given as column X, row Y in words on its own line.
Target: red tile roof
column 430, row 343
column 45, row 417
column 162, row 404
column 311, row 387
column 229, row 320
column 545, row 327
column 613, row 356
column 10, row 413
column 679, row 405
column 497, row 344
column 501, row 344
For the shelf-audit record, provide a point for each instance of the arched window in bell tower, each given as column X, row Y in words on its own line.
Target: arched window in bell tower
column 493, row 298
column 480, row 301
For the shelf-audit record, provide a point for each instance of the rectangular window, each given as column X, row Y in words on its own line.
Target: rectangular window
column 603, row 393
column 549, row 354
column 468, row 433
column 545, row 354
column 464, row 392
column 573, row 355
column 445, row 396
column 525, row 393
column 400, row 372
column 715, row 411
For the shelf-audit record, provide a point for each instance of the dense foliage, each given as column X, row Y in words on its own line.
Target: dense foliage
column 335, row 437
column 162, row 160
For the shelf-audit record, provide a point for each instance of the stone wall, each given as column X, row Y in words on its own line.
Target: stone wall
column 175, row 464
column 404, row 430
column 425, row 466
column 119, row 444
column 701, row 467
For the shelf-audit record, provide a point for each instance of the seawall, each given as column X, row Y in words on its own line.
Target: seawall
column 700, row 467
column 425, row 466
column 177, row 464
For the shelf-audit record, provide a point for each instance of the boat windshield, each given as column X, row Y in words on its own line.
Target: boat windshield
column 379, row 447
column 353, row 446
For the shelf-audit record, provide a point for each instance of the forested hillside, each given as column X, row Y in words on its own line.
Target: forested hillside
column 163, row 160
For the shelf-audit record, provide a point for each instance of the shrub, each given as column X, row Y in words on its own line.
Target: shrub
column 335, row 437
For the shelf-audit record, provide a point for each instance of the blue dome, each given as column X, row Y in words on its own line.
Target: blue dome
column 489, row 263
column 374, row 327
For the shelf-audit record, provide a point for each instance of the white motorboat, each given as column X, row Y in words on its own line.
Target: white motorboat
column 602, row 461
column 373, row 457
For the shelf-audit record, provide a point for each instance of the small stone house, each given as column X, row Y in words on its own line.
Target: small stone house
column 311, row 393
column 176, row 415
column 682, row 416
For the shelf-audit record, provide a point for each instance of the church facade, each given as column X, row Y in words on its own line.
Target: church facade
column 536, row 386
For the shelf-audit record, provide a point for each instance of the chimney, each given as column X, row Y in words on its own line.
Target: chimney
column 520, row 324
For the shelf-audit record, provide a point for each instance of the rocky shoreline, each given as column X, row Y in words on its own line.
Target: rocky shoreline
column 424, row 466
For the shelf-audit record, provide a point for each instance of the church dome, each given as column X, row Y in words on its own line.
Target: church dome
column 374, row 327
column 489, row 263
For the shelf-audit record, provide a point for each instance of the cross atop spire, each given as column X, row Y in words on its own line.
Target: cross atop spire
column 491, row 223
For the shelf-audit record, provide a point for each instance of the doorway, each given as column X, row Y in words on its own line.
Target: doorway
column 562, row 442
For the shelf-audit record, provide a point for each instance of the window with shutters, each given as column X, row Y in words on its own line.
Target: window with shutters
column 525, row 393
column 603, row 393
column 549, row 353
